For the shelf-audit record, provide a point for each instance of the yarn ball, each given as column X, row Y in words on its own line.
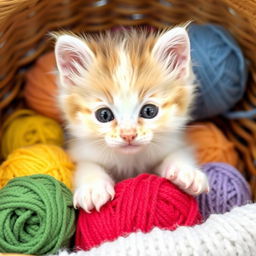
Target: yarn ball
column 229, row 234
column 228, row 188
column 220, row 68
column 36, row 215
column 41, row 87
column 38, row 159
column 210, row 144
column 24, row 127
column 140, row 203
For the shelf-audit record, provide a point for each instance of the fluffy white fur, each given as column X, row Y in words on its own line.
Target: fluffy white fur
column 100, row 161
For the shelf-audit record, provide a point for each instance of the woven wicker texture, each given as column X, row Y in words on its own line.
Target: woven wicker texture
column 24, row 25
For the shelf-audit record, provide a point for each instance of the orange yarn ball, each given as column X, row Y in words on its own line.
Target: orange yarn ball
column 211, row 144
column 41, row 87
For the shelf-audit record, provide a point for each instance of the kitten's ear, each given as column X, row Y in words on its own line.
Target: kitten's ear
column 172, row 49
column 73, row 58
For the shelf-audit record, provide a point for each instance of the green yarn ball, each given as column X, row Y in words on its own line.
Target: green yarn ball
column 36, row 215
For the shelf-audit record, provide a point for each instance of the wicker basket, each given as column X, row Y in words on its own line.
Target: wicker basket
column 24, row 25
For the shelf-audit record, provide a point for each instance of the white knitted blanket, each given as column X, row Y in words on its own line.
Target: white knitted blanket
column 229, row 234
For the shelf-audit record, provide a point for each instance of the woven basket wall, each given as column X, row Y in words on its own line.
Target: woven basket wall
column 24, row 25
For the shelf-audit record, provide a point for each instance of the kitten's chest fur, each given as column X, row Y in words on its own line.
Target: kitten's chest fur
column 121, row 166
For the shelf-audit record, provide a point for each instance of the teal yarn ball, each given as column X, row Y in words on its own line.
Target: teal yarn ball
column 36, row 215
column 220, row 69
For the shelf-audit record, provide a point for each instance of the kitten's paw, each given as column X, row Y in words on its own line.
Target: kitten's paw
column 191, row 180
column 93, row 194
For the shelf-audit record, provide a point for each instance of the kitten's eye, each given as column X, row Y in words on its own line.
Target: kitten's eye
column 104, row 115
column 149, row 111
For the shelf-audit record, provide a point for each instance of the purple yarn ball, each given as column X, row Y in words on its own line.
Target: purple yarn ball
column 228, row 188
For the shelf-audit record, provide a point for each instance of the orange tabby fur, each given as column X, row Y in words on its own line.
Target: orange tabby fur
column 124, row 71
column 147, row 78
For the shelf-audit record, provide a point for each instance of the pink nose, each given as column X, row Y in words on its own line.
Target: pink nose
column 128, row 135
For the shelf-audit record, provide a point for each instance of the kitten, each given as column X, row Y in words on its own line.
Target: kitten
column 126, row 98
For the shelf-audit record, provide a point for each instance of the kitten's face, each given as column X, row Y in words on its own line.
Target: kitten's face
column 126, row 91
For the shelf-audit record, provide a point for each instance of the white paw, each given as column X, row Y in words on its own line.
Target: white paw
column 93, row 194
column 190, row 179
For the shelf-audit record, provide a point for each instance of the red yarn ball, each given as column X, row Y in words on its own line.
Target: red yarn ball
column 140, row 203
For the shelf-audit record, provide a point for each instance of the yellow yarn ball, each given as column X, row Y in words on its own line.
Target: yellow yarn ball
column 38, row 159
column 24, row 128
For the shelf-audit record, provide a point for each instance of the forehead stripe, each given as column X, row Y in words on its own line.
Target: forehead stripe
column 123, row 72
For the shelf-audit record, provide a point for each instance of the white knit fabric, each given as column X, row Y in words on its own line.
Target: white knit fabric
column 229, row 234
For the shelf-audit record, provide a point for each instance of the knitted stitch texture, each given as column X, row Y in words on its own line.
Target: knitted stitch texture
column 229, row 234
column 36, row 215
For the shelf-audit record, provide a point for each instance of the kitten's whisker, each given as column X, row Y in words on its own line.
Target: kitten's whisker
column 195, row 125
column 160, row 141
column 105, row 154
column 91, row 140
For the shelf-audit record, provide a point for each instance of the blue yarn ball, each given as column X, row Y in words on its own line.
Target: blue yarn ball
column 220, row 69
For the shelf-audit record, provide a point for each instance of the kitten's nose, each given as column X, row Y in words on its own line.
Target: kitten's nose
column 128, row 134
